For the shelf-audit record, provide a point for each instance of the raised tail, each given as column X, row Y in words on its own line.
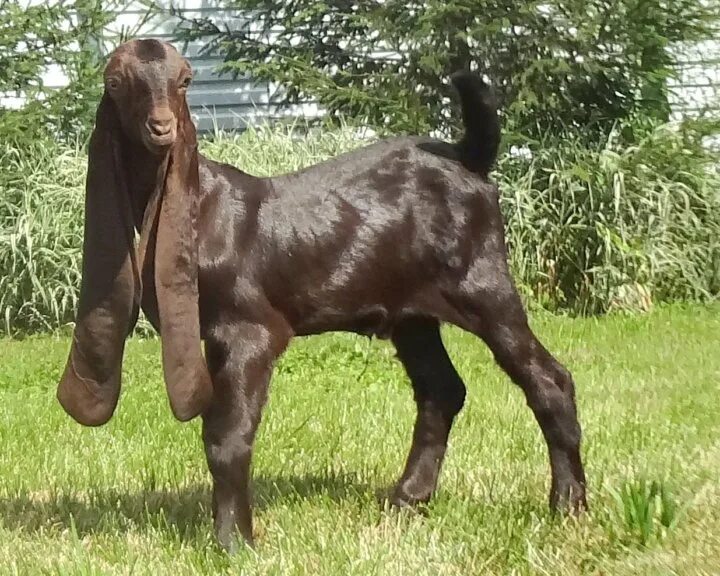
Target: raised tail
column 479, row 146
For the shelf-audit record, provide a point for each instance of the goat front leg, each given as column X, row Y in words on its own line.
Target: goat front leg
column 241, row 365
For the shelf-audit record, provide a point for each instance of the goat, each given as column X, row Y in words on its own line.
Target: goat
column 390, row 240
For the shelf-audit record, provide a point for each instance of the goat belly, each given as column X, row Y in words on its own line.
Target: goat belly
column 371, row 321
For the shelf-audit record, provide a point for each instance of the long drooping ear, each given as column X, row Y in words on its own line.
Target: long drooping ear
column 176, row 279
column 109, row 292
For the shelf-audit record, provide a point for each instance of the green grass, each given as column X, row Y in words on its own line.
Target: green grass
column 133, row 497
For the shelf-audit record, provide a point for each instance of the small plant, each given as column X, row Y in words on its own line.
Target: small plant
column 649, row 510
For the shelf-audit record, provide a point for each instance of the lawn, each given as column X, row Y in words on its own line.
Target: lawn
column 133, row 497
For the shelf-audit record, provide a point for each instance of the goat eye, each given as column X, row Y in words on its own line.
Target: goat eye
column 112, row 83
column 186, row 82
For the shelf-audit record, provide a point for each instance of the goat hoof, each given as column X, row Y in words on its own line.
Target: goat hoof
column 569, row 499
column 401, row 500
column 232, row 540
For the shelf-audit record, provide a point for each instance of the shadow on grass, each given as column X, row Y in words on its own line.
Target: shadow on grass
column 184, row 513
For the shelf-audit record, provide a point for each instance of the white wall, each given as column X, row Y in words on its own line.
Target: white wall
column 699, row 84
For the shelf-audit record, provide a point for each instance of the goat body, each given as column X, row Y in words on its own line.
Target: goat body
column 358, row 243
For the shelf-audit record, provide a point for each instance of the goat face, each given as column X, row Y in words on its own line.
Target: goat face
column 147, row 82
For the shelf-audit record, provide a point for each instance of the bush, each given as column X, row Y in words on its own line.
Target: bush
column 589, row 230
column 41, row 206
column 41, row 214
column 557, row 65
column 65, row 34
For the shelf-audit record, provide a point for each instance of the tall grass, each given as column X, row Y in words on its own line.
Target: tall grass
column 41, row 213
column 589, row 230
column 41, row 206
column 593, row 230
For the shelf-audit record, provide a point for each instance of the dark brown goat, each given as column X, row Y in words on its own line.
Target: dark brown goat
column 390, row 240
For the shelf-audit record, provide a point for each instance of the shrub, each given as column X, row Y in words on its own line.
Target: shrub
column 41, row 203
column 41, row 213
column 66, row 35
column 618, row 226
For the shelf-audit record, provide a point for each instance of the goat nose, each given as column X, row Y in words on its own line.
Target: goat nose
column 160, row 126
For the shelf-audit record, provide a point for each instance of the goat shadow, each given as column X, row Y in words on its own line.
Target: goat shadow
column 185, row 512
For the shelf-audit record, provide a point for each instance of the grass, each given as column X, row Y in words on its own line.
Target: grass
column 42, row 189
column 133, row 498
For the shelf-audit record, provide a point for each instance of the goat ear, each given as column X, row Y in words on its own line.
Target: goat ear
column 109, row 292
column 176, row 279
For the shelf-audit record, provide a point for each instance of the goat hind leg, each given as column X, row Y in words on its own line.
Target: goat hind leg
column 439, row 395
column 500, row 320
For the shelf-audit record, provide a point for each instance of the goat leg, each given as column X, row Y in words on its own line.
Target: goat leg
column 439, row 395
column 240, row 358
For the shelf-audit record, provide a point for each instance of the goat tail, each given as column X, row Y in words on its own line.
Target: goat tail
column 479, row 146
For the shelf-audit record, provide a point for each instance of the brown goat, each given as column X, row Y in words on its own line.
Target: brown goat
column 390, row 240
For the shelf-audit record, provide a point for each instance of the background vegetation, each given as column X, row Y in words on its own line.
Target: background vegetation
column 32, row 38
column 589, row 229
column 608, row 206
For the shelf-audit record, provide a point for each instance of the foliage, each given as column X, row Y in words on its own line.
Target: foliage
column 62, row 34
column 557, row 65
column 589, row 230
column 41, row 181
column 41, row 210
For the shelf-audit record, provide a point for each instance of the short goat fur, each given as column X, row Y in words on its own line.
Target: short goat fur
column 390, row 240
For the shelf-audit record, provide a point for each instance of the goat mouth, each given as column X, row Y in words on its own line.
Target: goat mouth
column 158, row 143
